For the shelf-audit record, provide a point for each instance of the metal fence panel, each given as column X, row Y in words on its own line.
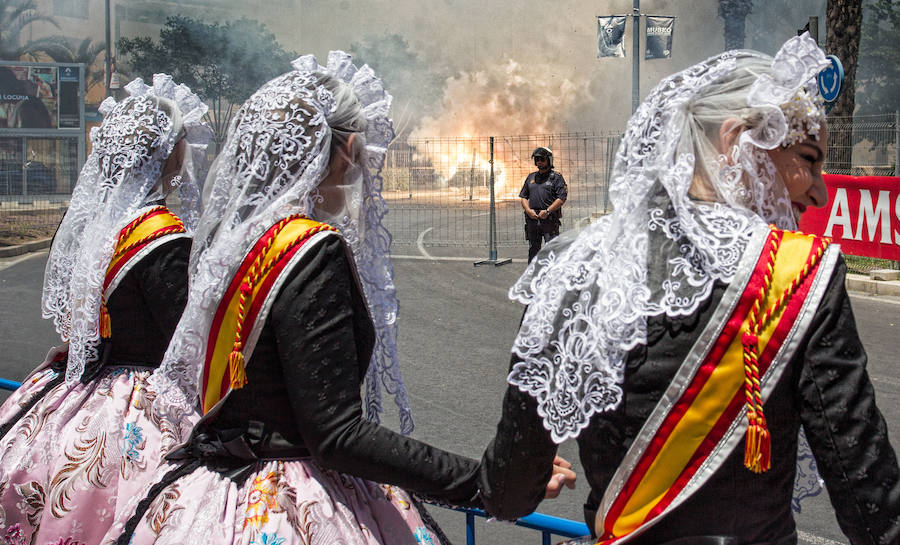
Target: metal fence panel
column 27, row 222
column 37, row 167
column 438, row 189
column 37, row 175
column 872, row 142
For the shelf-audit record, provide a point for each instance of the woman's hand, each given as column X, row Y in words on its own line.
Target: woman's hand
column 562, row 475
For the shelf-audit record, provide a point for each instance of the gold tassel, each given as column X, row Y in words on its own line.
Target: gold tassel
column 105, row 326
column 236, row 367
column 758, row 450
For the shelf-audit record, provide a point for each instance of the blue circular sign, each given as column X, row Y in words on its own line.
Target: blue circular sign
column 830, row 79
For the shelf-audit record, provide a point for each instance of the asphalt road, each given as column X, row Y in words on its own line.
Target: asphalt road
column 456, row 327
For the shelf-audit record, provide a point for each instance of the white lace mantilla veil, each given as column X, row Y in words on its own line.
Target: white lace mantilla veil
column 276, row 154
column 120, row 176
column 589, row 293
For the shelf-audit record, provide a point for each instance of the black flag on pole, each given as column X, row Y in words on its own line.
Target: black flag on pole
column 659, row 37
column 611, row 36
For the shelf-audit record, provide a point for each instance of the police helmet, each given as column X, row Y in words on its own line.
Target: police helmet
column 543, row 152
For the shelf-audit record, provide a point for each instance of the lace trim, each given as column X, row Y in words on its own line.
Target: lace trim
column 589, row 294
column 276, row 154
column 127, row 156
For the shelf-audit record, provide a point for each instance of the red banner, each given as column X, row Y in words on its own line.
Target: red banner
column 862, row 215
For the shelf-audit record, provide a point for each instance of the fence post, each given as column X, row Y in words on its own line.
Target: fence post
column 24, row 166
column 897, row 143
column 472, row 174
column 409, row 168
column 492, row 228
column 896, row 264
column 611, row 149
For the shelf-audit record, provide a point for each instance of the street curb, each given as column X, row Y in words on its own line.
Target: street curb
column 860, row 283
column 19, row 249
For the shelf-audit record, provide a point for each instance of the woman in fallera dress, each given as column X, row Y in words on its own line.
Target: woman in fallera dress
column 79, row 437
column 685, row 339
column 291, row 311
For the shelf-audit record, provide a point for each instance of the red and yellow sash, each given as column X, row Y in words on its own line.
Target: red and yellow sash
column 150, row 226
column 240, row 306
column 726, row 381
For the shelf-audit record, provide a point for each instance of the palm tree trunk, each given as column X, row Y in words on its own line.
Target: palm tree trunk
column 844, row 21
column 734, row 13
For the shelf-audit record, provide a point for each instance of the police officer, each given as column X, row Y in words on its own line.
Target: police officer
column 543, row 196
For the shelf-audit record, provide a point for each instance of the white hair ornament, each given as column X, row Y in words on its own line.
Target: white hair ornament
column 790, row 95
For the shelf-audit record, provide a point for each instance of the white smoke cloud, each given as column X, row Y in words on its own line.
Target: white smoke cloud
column 504, row 99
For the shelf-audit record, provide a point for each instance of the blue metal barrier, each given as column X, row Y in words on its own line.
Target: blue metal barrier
column 10, row 385
column 546, row 524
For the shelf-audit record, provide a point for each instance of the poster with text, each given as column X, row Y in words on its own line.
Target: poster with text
column 659, row 37
column 40, row 96
column 862, row 215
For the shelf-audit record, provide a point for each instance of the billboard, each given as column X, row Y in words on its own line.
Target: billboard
column 39, row 96
column 863, row 215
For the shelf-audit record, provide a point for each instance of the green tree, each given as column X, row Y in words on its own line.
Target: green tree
column 15, row 16
column 223, row 63
column 879, row 65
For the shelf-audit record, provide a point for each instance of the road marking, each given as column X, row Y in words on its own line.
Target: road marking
column 816, row 540
column 432, row 258
column 438, row 405
column 885, row 380
column 421, row 245
column 16, row 260
column 891, row 300
column 428, row 257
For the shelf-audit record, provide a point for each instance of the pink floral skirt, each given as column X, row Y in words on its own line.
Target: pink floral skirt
column 294, row 502
column 73, row 461
column 31, row 386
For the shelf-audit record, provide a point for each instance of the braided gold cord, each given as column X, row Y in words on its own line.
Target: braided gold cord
column 177, row 228
column 128, row 229
column 258, row 269
column 758, row 449
column 105, row 325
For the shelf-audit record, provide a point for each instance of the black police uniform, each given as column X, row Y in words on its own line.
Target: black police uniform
column 541, row 190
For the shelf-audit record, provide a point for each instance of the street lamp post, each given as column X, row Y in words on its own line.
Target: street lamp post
column 108, row 49
column 635, row 62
